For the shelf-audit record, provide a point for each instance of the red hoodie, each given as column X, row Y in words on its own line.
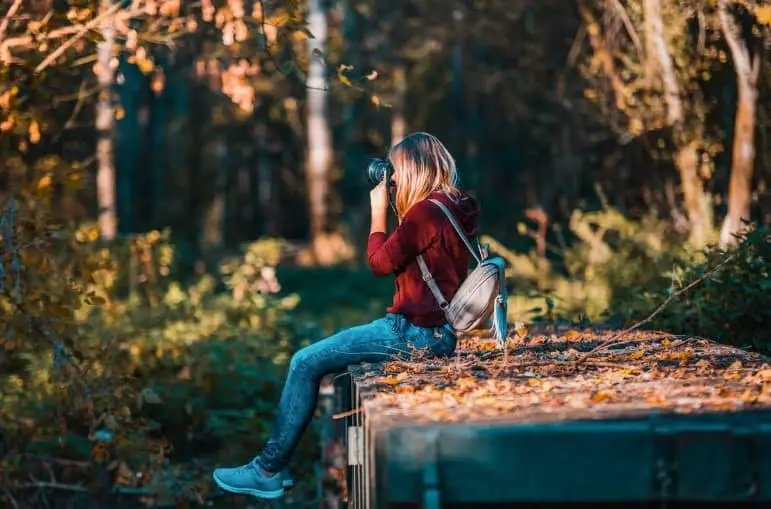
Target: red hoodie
column 425, row 230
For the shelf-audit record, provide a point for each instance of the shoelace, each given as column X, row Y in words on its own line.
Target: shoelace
column 246, row 469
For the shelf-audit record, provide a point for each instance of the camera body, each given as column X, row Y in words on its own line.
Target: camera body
column 379, row 169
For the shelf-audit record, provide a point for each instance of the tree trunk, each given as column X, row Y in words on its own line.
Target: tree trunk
column 458, row 103
column 656, row 49
column 354, row 186
column 264, row 175
column 158, row 212
column 742, row 166
column 319, row 153
column 213, row 234
column 105, row 115
column 398, row 129
column 129, row 142
column 743, row 151
column 686, row 156
column 697, row 206
column 179, row 150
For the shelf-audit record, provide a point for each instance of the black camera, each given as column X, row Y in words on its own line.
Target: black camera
column 379, row 169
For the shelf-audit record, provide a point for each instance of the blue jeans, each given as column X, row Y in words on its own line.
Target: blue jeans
column 388, row 338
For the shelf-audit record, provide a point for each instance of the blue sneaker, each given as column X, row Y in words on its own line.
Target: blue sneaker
column 249, row 480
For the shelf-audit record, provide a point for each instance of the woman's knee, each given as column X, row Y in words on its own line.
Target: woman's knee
column 308, row 360
column 300, row 360
column 317, row 359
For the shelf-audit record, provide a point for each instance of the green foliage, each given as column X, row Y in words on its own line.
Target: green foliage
column 141, row 382
column 611, row 257
column 621, row 271
column 732, row 304
column 339, row 296
column 116, row 372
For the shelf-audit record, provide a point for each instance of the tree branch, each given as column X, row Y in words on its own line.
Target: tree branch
column 755, row 72
column 732, row 35
column 52, row 486
column 10, row 497
column 28, row 39
column 8, row 16
column 701, row 40
column 79, row 35
column 619, row 9
column 657, row 48
column 606, row 59
column 271, row 57
column 615, row 338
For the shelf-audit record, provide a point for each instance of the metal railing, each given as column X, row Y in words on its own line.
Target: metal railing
column 359, row 444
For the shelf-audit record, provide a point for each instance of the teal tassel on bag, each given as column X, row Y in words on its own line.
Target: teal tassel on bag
column 500, row 323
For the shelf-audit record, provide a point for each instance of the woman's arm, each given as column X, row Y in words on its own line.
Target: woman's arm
column 417, row 230
column 378, row 199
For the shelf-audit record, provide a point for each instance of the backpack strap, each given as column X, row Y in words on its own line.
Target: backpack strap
column 431, row 282
column 427, row 276
column 477, row 255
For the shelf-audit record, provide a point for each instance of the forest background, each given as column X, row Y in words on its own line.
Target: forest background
column 184, row 201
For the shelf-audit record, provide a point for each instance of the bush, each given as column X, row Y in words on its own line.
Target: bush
column 118, row 380
column 731, row 303
column 619, row 271
column 610, row 259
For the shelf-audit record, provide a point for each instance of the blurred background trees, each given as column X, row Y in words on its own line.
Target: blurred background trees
column 176, row 176
column 228, row 122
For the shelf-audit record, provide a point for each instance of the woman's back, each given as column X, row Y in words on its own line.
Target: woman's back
column 425, row 230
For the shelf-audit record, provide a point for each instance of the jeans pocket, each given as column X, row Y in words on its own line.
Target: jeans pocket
column 440, row 341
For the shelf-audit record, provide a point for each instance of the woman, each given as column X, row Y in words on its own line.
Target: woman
column 423, row 169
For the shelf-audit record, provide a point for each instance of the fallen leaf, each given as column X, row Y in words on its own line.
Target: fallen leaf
column 655, row 399
column 466, row 383
column 571, row 334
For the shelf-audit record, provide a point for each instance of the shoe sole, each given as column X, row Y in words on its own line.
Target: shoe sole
column 249, row 491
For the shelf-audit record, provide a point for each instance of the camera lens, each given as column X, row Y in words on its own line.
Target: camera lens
column 377, row 170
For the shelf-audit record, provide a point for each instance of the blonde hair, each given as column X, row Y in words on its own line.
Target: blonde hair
column 423, row 165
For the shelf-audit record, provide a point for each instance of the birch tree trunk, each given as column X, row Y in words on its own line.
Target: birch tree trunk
column 213, row 234
column 158, row 162
column 743, row 152
column 686, row 158
column 398, row 125
column 105, row 115
column 265, row 187
column 319, row 153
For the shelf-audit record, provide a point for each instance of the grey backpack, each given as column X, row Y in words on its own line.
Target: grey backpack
column 482, row 293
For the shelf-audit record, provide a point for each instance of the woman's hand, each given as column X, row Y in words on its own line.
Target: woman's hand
column 378, row 199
